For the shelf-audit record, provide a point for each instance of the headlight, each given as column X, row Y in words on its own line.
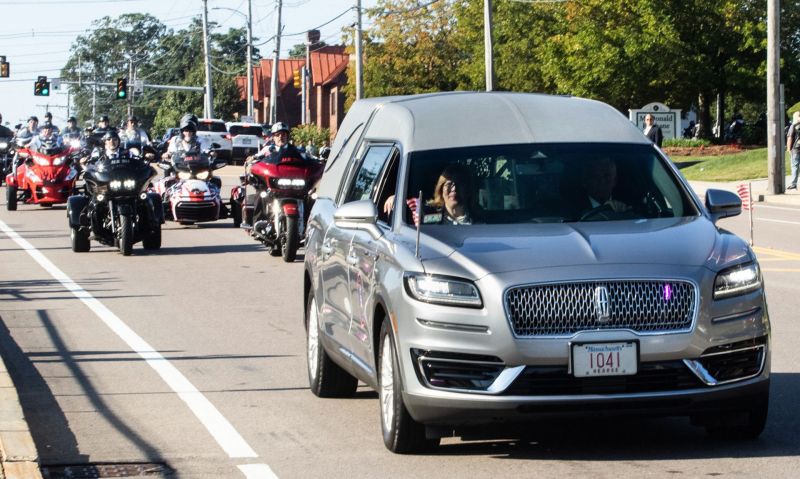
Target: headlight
column 129, row 184
column 58, row 161
column 3, row 145
column 42, row 161
column 75, row 143
column 184, row 175
column 288, row 182
column 203, row 175
column 115, row 184
column 442, row 290
column 740, row 279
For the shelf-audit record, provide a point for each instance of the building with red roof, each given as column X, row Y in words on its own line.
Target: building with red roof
column 328, row 65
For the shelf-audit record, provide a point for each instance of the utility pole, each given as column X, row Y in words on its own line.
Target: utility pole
column 487, row 41
column 208, row 109
column 775, row 168
column 359, row 55
column 250, row 59
column 94, row 98
column 130, row 97
column 312, row 38
column 273, row 91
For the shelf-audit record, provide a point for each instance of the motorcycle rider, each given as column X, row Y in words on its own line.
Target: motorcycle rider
column 5, row 132
column 48, row 117
column 30, row 130
column 111, row 147
column 47, row 138
column 72, row 131
column 134, row 134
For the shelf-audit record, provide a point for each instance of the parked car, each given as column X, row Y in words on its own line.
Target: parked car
column 517, row 291
column 247, row 139
column 217, row 133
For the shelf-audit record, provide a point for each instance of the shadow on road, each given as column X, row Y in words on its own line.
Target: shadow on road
column 50, row 290
column 214, row 249
column 638, row 439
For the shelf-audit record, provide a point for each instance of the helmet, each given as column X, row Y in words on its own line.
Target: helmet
column 188, row 118
column 103, row 118
column 33, row 118
column 72, row 119
column 47, row 114
column 46, row 125
column 133, row 118
column 188, row 124
column 111, row 135
column 280, row 126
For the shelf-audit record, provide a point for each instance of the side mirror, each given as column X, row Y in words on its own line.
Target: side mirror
column 216, row 146
column 324, row 152
column 723, row 204
column 360, row 215
column 220, row 164
column 164, row 165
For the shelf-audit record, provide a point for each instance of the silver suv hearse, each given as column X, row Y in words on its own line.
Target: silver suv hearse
column 498, row 257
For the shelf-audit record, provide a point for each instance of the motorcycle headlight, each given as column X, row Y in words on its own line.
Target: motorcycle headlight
column 115, row 184
column 202, row 175
column 737, row 280
column 442, row 290
column 42, row 161
column 58, row 161
column 3, row 145
column 129, row 184
column 75, row 143
column 184, row 175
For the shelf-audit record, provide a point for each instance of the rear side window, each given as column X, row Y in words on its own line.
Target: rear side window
column 245, row 130
column 368, row 172
column 211, row 126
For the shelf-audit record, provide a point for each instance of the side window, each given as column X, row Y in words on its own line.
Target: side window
column 367, row 174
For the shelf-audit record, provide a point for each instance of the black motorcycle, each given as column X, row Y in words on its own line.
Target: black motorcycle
column 6, row 154
column 116, row 208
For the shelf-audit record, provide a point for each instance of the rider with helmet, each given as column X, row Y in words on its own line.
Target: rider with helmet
column 46, row 138
column 188, row 139
column 133, row 134
column 31, row 130
column 5, row 132
column 48, row 118
column 72, row 131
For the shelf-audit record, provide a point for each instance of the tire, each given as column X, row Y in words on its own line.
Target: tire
column 125, row 235
column 153, row 239
column 291, row 241
column 11, row 198
column 325, row 378
column 236, row 213
column 80, row 240
column 401, row 433
column 747, row 424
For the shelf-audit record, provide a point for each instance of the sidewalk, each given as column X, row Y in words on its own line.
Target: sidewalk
column 18, row 456
column 759, row 190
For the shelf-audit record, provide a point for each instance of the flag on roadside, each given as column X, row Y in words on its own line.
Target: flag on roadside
column 744, row 193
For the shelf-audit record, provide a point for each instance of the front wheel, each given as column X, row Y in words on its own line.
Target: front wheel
column 291, row 241
column 125, row 235
column 80, row 240
column 11, row 198
column 325, row 378
column 152, row 240
column 401, row 433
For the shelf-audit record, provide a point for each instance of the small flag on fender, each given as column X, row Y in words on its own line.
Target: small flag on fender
column 744, row 193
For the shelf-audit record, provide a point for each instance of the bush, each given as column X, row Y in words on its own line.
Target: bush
column 311, row 135
column 685, row 142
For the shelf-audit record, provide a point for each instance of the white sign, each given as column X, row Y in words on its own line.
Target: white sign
column 55, row 83
column 247, row 119
column 668, row 120
column 138, row 86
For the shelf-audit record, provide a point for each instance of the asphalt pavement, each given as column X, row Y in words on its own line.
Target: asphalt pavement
column 19, row 455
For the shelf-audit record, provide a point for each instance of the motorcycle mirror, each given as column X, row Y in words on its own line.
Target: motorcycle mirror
column 216, row 146
column 324, row 152
column 164, row 165
column 220, row 164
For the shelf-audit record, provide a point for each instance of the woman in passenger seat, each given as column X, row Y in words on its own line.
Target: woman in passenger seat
column 452, row 203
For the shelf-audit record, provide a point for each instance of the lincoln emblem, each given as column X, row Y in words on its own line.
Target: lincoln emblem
column 602, row 305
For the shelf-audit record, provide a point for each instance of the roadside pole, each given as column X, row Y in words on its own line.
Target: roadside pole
column 488, row 48
column 208, row 110
column 273, row 91
column 775, row 168
column 359, row 55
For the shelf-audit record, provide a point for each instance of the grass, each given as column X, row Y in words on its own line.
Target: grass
column 748, row 165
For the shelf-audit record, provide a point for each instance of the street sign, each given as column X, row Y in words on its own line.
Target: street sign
column 138, row 86
column 55, row 83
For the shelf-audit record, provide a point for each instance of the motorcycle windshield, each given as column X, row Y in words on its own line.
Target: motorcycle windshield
column 192, row 162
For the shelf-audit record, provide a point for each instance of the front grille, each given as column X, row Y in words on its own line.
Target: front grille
column 196, row 211
column 566, row 308
column 651, row 377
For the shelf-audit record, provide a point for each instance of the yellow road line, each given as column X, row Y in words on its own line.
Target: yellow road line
column 776, row 252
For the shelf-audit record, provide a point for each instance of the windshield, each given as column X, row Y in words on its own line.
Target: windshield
column 544, row 183
column 212, row 126
column 254, row 130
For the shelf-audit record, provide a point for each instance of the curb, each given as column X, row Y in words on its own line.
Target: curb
column 18, row 455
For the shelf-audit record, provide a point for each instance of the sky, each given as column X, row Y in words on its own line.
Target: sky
column 37, row 35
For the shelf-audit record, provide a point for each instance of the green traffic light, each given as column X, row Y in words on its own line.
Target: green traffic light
column 121, row 94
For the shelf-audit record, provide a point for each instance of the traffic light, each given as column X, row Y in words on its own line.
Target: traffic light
column 122, row 88
column 41, row 87
column 4, row 70
column 297, row 81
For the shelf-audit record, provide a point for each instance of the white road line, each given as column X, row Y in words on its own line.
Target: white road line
column 257, row 471
column 778, row 221
column 219, row 427
column 765, row 207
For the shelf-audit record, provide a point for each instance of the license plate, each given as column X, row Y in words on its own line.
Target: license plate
column 604, row 359
column 246, row 141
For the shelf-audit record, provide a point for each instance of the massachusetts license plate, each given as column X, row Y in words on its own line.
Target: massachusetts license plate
column 604, row 359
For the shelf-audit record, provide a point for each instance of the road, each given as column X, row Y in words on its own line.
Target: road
column 192, row 360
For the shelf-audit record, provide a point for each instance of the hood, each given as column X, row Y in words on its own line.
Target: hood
column 487, row 249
